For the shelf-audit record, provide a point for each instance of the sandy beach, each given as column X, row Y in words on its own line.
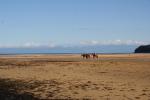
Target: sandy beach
column 69, row 76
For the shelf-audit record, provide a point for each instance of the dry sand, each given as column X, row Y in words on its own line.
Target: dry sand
column 111, row 77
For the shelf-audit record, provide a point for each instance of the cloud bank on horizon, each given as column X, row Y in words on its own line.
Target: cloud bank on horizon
column 114, row 42
column 82, row 43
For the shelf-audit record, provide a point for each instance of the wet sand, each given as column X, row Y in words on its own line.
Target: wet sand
column 68, row 76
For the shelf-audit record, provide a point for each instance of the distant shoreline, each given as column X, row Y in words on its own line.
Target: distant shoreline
column 63, row 53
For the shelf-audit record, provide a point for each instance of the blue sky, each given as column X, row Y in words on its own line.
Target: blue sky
column 74, row 22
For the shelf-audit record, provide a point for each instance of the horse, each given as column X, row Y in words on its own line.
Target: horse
column 83, row 55
column 87, row 56
column 94, row 56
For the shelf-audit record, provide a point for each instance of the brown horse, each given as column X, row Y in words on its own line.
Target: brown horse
column 86, row 56
column 94, row 55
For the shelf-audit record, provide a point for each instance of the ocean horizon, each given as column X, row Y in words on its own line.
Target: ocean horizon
column 104, row 49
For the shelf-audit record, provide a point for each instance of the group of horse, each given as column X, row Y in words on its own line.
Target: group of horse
column 89, row 55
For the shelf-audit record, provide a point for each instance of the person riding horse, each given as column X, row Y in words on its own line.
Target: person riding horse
column 94, row 55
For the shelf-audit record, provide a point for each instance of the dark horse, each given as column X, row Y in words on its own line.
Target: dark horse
column 87, row 56
column 94, row 55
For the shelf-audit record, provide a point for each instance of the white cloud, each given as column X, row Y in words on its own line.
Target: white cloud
column 93, row 42
column 85, row 43
column 29, row 45
column 113, row 42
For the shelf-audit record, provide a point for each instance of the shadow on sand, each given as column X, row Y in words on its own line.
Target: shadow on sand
column 9, row 90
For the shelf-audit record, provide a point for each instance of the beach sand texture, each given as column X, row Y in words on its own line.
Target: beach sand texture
column 68, row 76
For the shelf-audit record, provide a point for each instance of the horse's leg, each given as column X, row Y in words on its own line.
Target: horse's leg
column 93, row 57
column 97, row 57
column 88, row 57
column 84, row 57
